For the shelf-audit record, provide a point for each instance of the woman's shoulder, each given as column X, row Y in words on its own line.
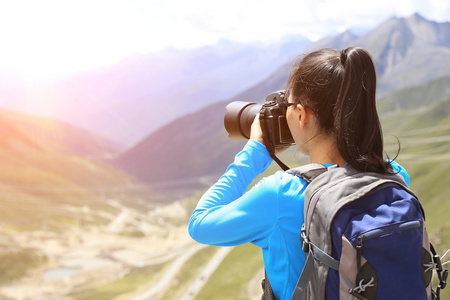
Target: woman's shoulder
column 400, row 170
column 285, row 183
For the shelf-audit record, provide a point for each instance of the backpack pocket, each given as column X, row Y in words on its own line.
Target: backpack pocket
column 385, row 262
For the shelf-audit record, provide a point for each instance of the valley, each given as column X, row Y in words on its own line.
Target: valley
column 86, row 257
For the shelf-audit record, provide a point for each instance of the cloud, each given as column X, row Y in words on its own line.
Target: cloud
column 202, row 21
column 237, row 20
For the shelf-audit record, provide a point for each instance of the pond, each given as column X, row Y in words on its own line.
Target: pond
column 59, row 274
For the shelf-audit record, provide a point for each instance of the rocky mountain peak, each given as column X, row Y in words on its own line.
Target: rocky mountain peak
column 429, row 32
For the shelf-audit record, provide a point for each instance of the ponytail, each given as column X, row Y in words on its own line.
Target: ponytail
column 340, row 87
column 357, row 126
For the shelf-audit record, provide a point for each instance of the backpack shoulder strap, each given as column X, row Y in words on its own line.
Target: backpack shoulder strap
column 310, row 171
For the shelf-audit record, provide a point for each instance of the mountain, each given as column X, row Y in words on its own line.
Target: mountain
column 196, row 147
column 339, row 41
column 50, row 169
column 408, row 51
column 188, row 153
column 127, row 101
column 25, row 133
column 417, row 98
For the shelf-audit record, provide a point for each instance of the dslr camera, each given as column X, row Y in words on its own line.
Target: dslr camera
column 272, row 114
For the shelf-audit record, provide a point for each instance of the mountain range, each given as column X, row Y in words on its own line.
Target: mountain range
column 127, row 101
column 195, row 148
column 190, row 91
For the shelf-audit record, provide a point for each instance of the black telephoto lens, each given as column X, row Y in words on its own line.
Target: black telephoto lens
column 239, row 118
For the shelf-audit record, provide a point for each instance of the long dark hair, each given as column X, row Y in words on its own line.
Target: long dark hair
column 339, row 86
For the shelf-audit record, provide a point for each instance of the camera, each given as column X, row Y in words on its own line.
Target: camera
column 272, row 114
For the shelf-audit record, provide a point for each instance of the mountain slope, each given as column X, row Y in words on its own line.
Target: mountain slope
column 48, row 170
column 408, row 51
column 188, row 153
column 419, row 97
column 24, row 133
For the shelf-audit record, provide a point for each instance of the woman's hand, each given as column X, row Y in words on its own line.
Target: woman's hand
column 256, row 134
column 256, row 131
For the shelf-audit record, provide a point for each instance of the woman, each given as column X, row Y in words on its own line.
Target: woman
column 331, row 113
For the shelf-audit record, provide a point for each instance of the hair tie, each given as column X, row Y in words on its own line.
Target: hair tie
column 343, row 56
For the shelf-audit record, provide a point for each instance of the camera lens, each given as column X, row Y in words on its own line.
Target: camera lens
column 239, row 118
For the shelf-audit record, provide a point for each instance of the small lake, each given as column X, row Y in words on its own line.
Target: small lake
column 59, row 274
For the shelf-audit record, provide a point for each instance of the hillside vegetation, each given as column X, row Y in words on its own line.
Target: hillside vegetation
column 421, row 122
column 46, row 168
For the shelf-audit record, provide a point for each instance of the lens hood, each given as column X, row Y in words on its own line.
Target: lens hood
column 239, row 118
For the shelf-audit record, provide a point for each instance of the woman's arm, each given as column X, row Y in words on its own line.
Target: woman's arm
column 225, row 215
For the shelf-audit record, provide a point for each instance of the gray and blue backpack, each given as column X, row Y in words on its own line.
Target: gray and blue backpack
column 365, row 238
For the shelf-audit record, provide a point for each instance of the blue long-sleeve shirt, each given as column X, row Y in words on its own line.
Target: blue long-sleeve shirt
column 269, row 215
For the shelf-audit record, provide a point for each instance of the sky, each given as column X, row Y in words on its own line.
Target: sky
column 46, row 39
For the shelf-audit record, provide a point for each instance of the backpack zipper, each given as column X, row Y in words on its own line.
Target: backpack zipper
column 379, row 232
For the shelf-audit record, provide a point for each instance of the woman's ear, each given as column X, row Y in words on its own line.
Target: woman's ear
column 304, row 117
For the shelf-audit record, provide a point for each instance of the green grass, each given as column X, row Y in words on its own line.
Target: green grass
column 412, row 98
column 425, row 146
column 15, row 263
column 189, row 272
column 231, row 278
column 427, row 182
column 425, row 153
column 38, row 188
column 135, row 278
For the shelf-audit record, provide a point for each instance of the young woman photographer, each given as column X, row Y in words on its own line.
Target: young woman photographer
column 333, row 119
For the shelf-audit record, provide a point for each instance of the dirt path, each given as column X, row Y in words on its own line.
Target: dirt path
column 206, row 273
column 168, row 277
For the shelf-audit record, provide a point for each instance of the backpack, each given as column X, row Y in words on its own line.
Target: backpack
column 365, row 238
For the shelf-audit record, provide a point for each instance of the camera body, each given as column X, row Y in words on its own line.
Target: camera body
column 240, row 115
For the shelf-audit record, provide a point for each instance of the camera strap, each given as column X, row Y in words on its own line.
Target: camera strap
column 268, row 143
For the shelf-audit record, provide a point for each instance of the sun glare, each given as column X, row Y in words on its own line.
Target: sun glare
column 47, row 39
